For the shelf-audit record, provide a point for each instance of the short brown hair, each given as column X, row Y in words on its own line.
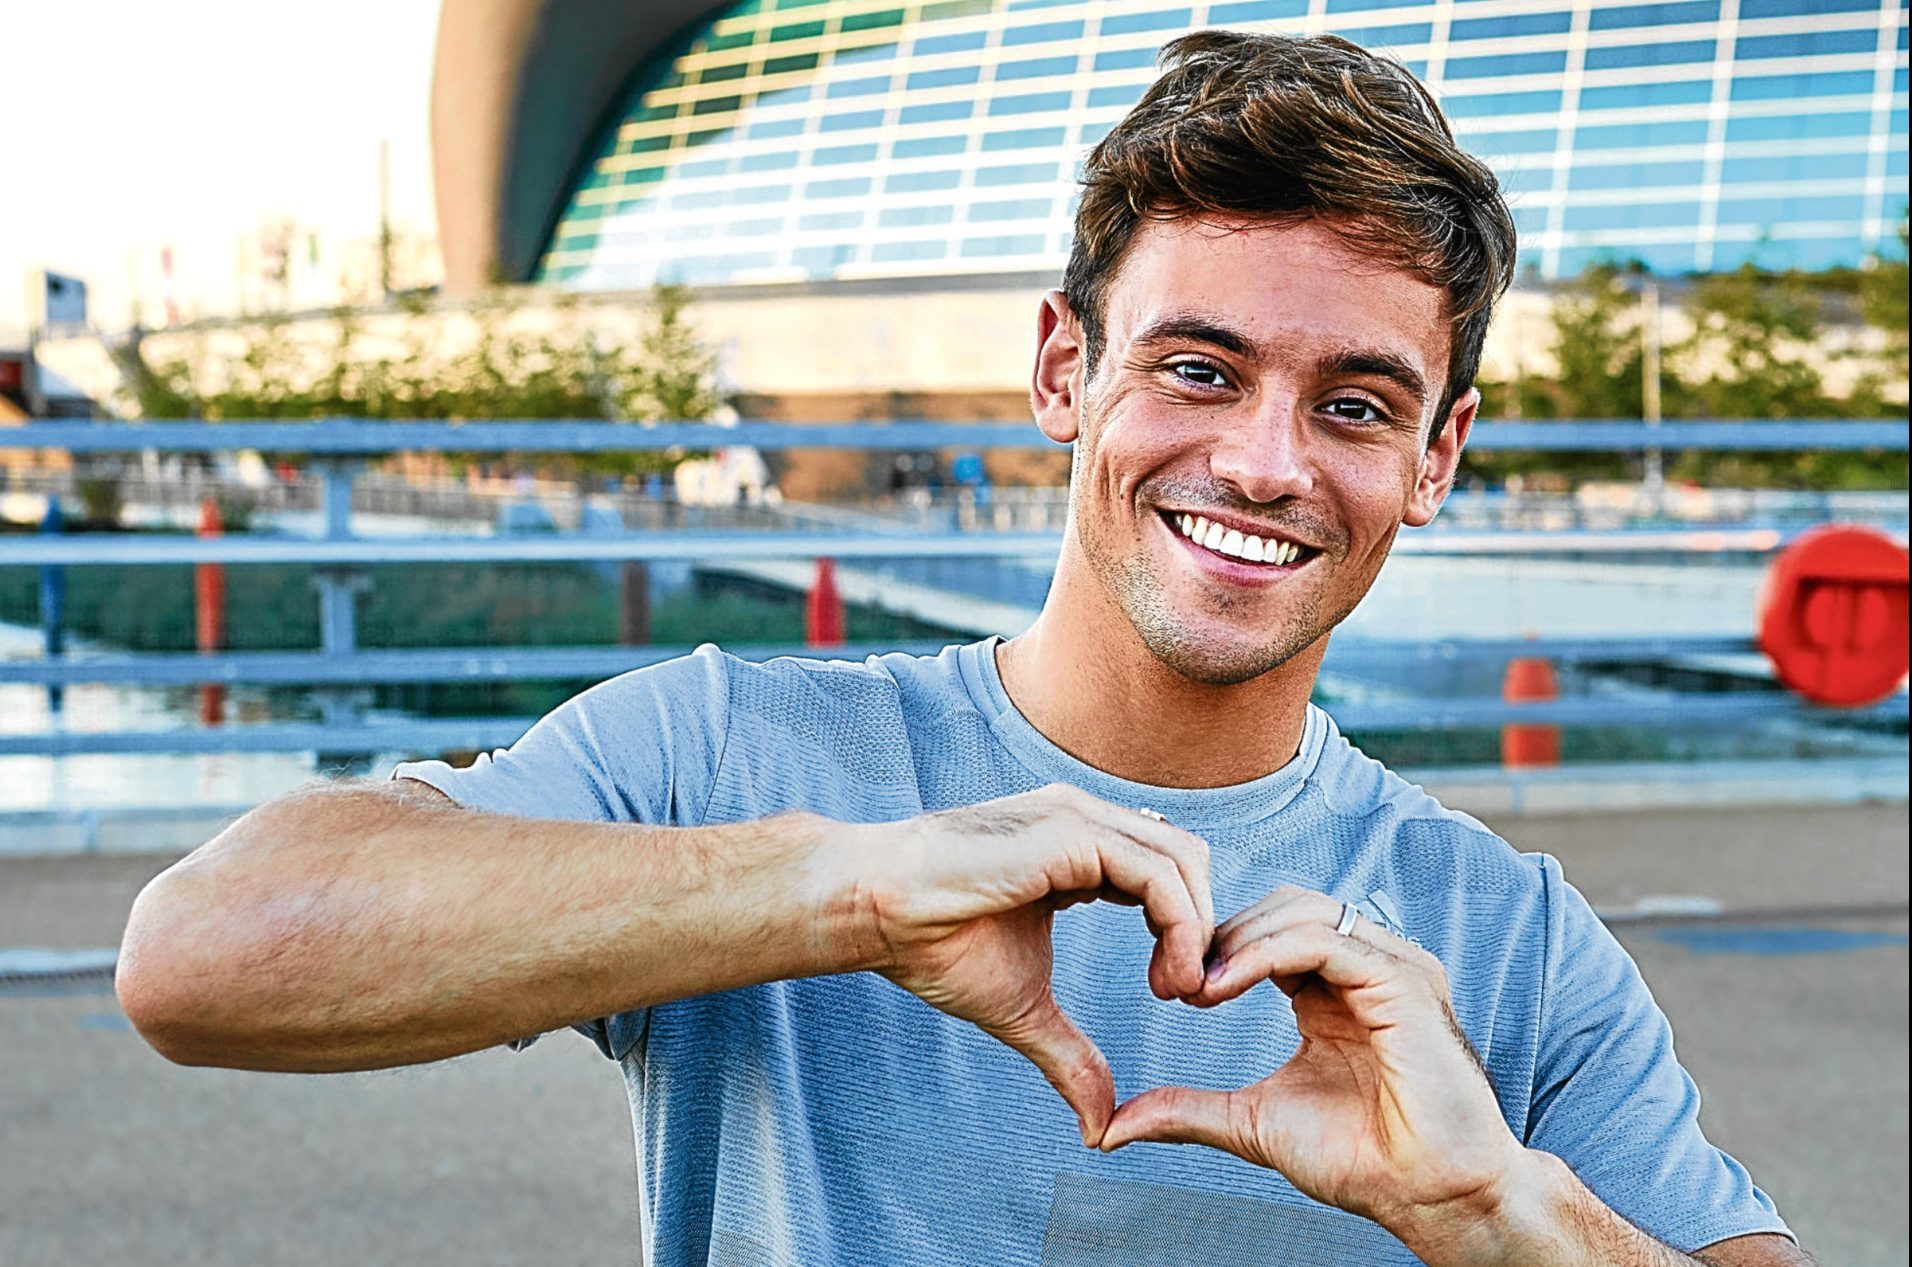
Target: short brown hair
column 1287, row 127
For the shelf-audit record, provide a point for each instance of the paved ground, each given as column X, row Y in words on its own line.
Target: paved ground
column 1794, row 1022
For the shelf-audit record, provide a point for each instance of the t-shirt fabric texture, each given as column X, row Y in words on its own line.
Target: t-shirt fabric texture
column 840, row 1120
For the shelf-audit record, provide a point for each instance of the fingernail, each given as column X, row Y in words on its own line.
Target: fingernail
column 1216, row 967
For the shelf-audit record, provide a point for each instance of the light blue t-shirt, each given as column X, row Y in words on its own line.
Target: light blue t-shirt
column 840, row 1120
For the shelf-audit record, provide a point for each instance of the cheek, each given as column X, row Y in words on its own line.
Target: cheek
column 1375, row 493
column 1120, row 447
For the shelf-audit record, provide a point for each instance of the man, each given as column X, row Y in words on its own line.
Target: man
column 1263, row 354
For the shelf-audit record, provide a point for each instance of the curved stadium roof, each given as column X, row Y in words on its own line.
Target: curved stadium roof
column 599, row 146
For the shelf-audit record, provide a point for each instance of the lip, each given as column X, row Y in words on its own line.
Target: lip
column 1239, row 573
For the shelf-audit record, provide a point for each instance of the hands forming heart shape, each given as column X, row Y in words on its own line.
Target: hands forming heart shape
column 1384, row 1109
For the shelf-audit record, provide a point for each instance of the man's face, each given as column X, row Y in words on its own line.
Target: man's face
column 1274, row 381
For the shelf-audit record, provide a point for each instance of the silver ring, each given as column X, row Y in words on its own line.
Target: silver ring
column 1348, row 918
column 1146, row 812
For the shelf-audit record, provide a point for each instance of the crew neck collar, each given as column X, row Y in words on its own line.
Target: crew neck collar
column 1236, row 803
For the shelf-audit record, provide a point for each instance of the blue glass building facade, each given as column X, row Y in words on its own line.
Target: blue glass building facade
column 826, row 140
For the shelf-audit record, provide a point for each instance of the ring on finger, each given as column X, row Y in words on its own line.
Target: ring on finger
column 1146, row 812
column 1349, row 917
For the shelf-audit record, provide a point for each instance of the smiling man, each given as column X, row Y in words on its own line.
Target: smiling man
column 1403, row 1040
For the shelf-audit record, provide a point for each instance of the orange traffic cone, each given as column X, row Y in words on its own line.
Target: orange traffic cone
column 1529, row 678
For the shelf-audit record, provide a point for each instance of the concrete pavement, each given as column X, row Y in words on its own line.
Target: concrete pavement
column 1792, row 1019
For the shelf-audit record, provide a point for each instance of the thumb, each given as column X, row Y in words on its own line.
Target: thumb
column 1176, row 1115
column 1074, row 1066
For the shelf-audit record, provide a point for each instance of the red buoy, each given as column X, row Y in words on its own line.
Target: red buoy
column 1833, row 615
column 823, row 609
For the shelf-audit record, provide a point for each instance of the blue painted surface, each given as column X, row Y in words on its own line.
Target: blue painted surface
column 106, row 1021
column 350, row 436
column 1754, row 940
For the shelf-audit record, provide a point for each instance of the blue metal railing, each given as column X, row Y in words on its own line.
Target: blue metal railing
column 116, row 548
column 355, row 438
column 338, row 448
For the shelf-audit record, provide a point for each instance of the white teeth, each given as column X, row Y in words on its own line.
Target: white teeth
column 1236, row 544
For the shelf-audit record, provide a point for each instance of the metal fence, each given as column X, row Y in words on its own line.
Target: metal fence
column 958, row 526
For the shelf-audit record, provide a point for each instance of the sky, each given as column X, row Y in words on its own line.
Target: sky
column 194, row 124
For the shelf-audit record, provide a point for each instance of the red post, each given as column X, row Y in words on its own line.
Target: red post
column 823, row 609
column 209, row 613
column 1529, row 679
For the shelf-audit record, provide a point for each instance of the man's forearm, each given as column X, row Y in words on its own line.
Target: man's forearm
column 1548, row 1218
column 357, row 928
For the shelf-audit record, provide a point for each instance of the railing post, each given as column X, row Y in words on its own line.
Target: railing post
column 209, row 612
column 336, row 476
column 53, row 604
column 823, row 616
column 338, row 589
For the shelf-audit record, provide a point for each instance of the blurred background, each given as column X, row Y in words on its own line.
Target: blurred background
column 377, row 378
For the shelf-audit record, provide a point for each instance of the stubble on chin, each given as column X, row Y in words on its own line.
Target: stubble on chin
column 1133, row 584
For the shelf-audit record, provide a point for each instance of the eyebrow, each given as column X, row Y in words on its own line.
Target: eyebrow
column 1353, row 362
column 1371, row 364
column 1176, row 327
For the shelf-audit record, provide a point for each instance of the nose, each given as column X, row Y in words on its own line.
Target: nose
column 1265, row 453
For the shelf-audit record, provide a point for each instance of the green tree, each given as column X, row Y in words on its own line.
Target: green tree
column 1597, row 352
column 674, row 379
column 1881, row 293
column 501, row 372
column 1598, row 374
column 1753, row 350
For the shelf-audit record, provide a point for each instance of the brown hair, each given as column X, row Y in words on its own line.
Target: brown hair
column 1277, row 126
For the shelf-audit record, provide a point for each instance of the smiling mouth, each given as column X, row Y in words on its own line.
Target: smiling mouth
column 1272, row 553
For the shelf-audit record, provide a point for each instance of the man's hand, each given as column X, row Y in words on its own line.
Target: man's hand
column 1384, row 1109
column 962, row 904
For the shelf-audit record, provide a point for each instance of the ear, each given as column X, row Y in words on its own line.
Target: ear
column 1055, row 391
column 1441, row 463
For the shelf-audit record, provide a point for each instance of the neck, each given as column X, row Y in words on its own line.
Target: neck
column 1083, row 677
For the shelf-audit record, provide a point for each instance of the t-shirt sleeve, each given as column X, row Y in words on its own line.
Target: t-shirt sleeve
column 1611, row 1099
column 641, row 748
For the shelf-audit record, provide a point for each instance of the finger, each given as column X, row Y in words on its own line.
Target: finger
column 1189, row 852
column 1286, row 907
column 1362, row 974
column 1176, row 1115
column 1294, row 908
column 1166, row 900
column 1162, row 865
column 1136, row 854
column 1074, row 1066
column 1157, row 883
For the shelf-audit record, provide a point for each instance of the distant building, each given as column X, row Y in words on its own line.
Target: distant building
column 834, row 142
column 870, row 196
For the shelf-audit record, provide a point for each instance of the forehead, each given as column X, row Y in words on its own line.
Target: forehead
column 1282, row 283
